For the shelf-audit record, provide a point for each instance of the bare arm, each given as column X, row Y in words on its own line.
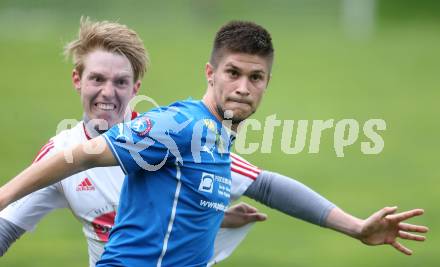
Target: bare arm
column 93, row 153
column 382, row 227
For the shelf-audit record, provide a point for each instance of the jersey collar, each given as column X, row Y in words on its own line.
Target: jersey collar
column 134, row 114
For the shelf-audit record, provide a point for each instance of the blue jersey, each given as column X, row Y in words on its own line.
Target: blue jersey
column 176, row 189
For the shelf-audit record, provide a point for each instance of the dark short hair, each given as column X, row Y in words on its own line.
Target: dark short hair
column 242, row 37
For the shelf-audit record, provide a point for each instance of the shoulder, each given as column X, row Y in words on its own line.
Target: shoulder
column 174, row 118
column 60, row 141
column 184, row 109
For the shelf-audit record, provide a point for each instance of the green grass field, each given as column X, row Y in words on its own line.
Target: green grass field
column 319, row 74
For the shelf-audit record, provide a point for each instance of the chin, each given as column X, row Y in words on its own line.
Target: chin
column 239, row 118
column 243, row 114
column 109, row 120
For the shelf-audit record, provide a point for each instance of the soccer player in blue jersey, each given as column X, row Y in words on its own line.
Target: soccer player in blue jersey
column 177, row 163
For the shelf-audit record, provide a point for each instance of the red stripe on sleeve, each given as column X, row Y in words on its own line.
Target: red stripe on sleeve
column 246, row 167
column 244, row 163
column 43, row 148
column 245, row 173
column 240, row 159
column 43, row 153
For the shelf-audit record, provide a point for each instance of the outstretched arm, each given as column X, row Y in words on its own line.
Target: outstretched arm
column 93, row 153
column 382, row 227
column 297, row 200
column 289, row 196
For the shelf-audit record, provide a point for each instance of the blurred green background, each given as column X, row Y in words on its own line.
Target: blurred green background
column 334, row 60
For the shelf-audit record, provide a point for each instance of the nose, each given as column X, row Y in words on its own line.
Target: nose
column 108, row 90
column 243, row 87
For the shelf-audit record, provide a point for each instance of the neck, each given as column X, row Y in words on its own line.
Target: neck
column 209, row 102
column 88, row 128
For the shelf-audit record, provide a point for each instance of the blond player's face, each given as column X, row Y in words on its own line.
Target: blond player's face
column 239, row 82
column 106, row 86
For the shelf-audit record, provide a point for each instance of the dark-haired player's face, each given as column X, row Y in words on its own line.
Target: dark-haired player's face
column 239, row 82
column 106, row 86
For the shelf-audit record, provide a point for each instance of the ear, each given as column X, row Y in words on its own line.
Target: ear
column 209, row 73
column 76, row 80
column 136, row 87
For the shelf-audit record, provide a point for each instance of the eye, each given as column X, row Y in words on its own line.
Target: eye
column 256, row 77
column 121, row 82
column 96, row 78
column 233, row 73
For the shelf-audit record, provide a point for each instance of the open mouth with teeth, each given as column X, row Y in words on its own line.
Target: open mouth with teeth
column 105, row 106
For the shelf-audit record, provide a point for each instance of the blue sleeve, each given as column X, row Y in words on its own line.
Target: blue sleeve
column 149, row 141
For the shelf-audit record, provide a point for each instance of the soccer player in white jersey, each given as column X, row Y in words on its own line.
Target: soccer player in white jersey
column 306, row 205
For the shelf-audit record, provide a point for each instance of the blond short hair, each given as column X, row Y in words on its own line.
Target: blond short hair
column 109, row 36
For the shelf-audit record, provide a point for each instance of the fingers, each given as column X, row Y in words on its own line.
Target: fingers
column 401, row 248
column 242, row 214
column 409, row 236
column 384, row 212
column 248, row 208
column 405, row 215
column 244, row 208
column 256, row 217
column 240, row 208
column 235, row 219
column 413, row 228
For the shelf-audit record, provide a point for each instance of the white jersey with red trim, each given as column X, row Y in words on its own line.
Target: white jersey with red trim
column 243, row 174
column 93, row 197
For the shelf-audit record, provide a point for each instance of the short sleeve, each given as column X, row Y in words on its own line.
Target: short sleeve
column 243, row 174
column 149, row 141
column 29, row 210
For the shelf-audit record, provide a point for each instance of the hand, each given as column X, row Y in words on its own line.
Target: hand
column 242, row 214
column 385, row 226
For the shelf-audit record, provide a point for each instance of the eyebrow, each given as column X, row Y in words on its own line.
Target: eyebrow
column 122, row 76
column 237, row 68
column 95, row 74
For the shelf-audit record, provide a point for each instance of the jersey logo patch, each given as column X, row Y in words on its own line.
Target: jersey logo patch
column 206, row 183
column 141, row 126
column 85, row 185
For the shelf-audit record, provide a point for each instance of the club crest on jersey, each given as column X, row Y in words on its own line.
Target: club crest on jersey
column 141, row 125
